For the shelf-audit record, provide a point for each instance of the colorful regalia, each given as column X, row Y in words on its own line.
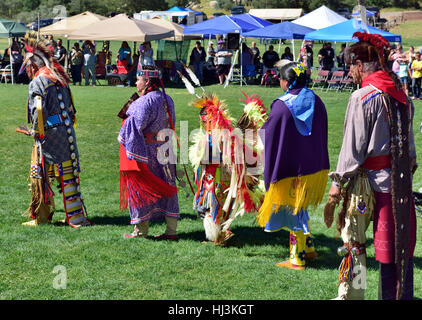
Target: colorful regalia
column 147, row 180
column 296, row 168
column 227, row 183
column 55, row 153
column 374, row 173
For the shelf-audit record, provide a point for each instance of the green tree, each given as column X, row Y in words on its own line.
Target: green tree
column 29, row 5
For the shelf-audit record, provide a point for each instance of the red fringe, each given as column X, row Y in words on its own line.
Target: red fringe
column 249, row 205
column 142, row 188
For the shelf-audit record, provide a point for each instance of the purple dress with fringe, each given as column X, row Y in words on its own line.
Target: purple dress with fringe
column 146, row 117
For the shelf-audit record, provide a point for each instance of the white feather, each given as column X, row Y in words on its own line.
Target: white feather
column 192, row 75
column 212, row 229
column 188, row 85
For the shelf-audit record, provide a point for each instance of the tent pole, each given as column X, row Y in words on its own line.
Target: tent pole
column 279, row 46
column 67, row 55
column 335, row 53
column 241, row 61
column 294, row 54
column 175, row 46
column 11, row 62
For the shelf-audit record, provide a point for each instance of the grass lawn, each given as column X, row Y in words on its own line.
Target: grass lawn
column 101, row 264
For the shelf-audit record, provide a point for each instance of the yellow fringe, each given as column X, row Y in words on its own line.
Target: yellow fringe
column 295, row 193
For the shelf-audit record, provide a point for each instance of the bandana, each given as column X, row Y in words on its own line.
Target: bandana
column 382, row 81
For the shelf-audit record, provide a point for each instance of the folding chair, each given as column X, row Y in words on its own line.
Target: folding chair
column 347, row 83
column 321, row 79
column 6, row 73
column 334, row 82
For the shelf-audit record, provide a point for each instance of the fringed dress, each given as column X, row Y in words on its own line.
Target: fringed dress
column 147, row 185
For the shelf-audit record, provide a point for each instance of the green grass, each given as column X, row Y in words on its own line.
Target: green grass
column 101, row 264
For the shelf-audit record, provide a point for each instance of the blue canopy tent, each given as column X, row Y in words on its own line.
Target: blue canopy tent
column 283, row 30
column 197, row 13
column 344, row 31
column 220, row 25
column 260, row 23
column 176, row 8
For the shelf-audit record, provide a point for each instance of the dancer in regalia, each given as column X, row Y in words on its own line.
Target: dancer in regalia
column 147, row 163
column 227, row 161
column 296, row 162
column 374, row 176
column 55, row 153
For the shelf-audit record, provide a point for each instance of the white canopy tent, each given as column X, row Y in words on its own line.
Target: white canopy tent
column 322, row 17
column 277, row 14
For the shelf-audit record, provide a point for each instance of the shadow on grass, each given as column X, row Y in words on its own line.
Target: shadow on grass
column 125, row 219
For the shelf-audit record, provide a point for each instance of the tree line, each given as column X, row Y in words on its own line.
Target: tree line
column 26, row 10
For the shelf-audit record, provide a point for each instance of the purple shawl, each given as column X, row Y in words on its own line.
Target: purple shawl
column 287, row 152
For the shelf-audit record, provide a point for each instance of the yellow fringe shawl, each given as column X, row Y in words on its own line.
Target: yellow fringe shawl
column 295, row 193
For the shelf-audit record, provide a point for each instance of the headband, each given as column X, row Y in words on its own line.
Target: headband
column 148, row 73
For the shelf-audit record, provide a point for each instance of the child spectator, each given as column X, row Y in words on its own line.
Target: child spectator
column 417, row 76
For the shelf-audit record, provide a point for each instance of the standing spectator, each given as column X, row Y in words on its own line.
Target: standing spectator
column 255, row 55
column 396, row 56
column 132, row 70
column 246, row 57
column 310, row 55
column 60, row 52
column 197, row 59
column 287, row 55
column 269, row 59
column 340, row 58
column 411, row 55
column 51, row 41
column 88, row 50
column 16, row 60
column 410, row 58
column 125, row 53
column 76, row 60
column 404, row 73
column 224, row 61
column 219, row 43
column 211, row 54
column 326, row 57
column 146, row 57
column 416, row 76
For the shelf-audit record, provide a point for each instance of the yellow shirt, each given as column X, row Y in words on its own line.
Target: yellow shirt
column 416, row 73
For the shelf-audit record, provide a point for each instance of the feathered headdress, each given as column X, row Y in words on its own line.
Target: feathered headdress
column 214, row 112
column 254, row 113
column 40, row 53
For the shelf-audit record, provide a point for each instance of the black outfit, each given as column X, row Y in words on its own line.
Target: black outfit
column 327, row 61
column 287, row 56
column 255, row 57
column 341, row 63
column 270, row 58
column 60, row 52
column 197, row 57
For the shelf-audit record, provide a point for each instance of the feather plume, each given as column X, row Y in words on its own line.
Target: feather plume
column 188, row 85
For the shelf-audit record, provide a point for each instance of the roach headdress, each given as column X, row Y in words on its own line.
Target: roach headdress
column 40, row 53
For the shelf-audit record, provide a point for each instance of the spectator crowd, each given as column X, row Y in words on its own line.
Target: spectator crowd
column 211, row 65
